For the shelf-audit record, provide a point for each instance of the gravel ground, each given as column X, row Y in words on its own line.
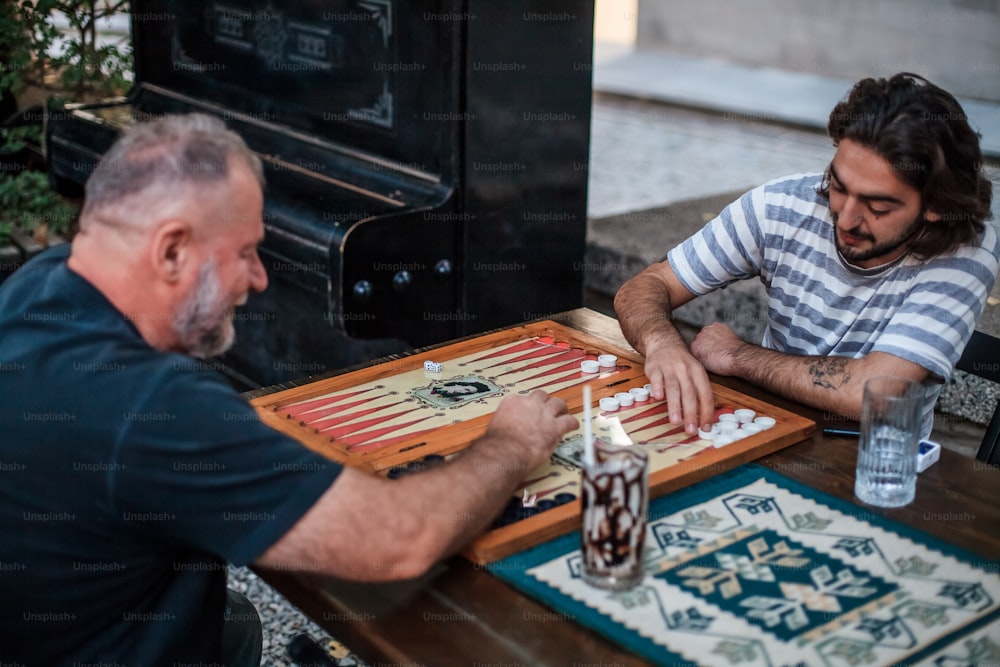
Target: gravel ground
column 282, row 621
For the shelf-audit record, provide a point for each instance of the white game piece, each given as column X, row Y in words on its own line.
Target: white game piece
column 640, row 393
column 648, row 387
column 726, row 427
column 589, row 366
column 625, row 399
column 750, row 427
column 745, row 415
column 722, row 440
column 729, row 417
column 607, row 361
column 432, row 367
column 608, row 404
column 710, row 434
column 765, row 422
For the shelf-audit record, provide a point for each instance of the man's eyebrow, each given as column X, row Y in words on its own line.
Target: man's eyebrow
column 868, row 197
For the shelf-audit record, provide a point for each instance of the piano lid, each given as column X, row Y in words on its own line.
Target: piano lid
column 334, row 70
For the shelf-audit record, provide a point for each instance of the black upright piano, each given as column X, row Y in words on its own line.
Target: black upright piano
column 425, row 161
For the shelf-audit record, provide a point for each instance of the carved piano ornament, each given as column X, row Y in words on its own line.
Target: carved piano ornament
column 423, row 164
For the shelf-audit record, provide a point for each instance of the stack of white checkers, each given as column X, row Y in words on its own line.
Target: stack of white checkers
column 624, row 399
column 732, row 426
column 603, row 362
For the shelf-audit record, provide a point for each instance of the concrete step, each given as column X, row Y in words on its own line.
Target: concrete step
column 750, row 93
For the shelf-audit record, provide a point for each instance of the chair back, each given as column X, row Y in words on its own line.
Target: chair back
column 981, row 358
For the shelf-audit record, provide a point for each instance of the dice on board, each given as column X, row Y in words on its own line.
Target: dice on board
column 432, row 366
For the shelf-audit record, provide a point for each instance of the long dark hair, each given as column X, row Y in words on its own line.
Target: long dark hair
column 923, row 133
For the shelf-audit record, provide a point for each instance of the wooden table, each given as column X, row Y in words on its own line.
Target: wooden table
column 460, row 614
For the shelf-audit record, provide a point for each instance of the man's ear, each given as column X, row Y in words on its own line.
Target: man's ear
column 171, row 249
column 931, row 216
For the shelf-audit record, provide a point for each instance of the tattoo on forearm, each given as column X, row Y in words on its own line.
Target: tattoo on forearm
column 830, row 372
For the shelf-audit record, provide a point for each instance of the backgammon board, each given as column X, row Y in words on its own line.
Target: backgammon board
column 405, row 414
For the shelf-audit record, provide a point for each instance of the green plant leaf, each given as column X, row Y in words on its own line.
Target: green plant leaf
column 27, row 202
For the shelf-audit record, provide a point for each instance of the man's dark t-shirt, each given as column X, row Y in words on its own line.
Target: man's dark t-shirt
column 128, row 479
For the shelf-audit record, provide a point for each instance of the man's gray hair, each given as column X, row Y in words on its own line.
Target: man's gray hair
column 155, row 169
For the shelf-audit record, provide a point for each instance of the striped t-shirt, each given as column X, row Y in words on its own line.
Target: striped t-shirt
column 923, row 311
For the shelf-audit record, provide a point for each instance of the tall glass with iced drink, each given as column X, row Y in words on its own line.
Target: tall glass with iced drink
column 615, row 502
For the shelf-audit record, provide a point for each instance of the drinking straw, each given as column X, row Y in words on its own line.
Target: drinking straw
column 588, row 435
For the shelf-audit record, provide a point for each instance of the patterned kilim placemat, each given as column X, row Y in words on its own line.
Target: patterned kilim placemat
column 751, row 568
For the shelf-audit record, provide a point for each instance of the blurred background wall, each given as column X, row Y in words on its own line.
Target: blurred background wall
column 954, row 43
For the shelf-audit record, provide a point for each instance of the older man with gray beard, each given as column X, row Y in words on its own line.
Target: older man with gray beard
column 132, row 475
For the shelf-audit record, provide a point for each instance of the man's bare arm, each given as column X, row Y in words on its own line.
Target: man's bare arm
column 373, row 529
column 643, row 306
column 832, row 384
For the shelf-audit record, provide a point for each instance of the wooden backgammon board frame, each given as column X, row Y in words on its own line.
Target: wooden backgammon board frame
column 449, row 439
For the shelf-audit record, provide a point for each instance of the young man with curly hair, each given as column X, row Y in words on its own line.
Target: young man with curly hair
column 881, row 265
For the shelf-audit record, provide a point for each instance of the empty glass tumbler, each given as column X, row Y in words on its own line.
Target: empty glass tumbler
column 886, row 473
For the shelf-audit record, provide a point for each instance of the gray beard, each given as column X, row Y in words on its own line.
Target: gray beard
column 203, row 328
